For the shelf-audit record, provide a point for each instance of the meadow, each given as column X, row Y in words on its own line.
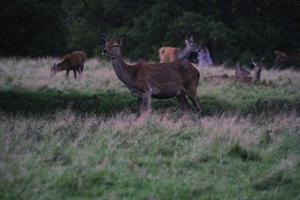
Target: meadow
column 81, row 139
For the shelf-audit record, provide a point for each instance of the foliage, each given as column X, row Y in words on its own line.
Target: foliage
column 233, row 30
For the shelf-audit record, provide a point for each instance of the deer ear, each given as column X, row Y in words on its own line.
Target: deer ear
column 280, row 53
column 253, row 62
column 121, row 40
column 189, row 37
column 105, row 39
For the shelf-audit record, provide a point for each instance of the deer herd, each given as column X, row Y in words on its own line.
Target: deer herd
column 174, row 76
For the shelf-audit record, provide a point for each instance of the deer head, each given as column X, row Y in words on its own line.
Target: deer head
column 112, row 48
column 241, row 71
column 53, row 70
column 257, row 68
column 190, row 44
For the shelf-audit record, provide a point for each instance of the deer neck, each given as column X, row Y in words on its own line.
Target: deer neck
column 121, row 70
column 183, row 53
column 257, row 77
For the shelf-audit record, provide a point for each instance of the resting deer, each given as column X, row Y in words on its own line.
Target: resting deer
column 171, row 54
column 286, row 59
column 72, row 61
column 158, row 80
column 243, row 75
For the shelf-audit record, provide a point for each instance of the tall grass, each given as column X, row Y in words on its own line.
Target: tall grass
column 81, row 139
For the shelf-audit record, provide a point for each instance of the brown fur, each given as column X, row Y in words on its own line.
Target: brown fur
column 167, row 54
column 158, row 80
column 171, row 54
column 218, row 77
column 241, row 74
column 72, row 61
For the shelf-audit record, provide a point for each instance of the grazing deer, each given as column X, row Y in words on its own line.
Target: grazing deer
column 73, row 61
column 286, row 59
column 158, row 80
column 171, row 54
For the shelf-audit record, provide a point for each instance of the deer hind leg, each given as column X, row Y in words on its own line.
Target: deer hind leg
column 184, row 103
column 192, row 95
column 196, row 103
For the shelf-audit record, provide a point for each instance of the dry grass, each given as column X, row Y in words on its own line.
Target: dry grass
column 29, row 73
column 66, row 154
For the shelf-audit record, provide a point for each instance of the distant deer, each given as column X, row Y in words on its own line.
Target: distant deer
column 159, row 80
column 241, row 71
column 286, row 59
column 171, row 54
column 242, row 74
column 73, row 61
column 204, row 58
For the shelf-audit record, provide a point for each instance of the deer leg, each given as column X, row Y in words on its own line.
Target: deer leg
column 193, row 97
column 146, row 103
column 139, row 102
column 195, row 102
column 183, row 102
column 67, row 73
column 75, row 75
column 80, row 71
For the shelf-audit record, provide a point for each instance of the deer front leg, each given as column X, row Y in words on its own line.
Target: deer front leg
column 75, row 75
column 146, row 103
column 80, row 71
column 67, row 73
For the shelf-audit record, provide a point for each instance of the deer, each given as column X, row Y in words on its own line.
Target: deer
column 203, row 57
column 286, row 59
column 154, row 80
column 72, row 61
column 241, row 74
column 171, row 54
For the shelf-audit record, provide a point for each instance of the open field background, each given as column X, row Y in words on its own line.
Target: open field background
column 68, row 139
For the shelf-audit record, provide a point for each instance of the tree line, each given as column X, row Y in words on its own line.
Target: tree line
column 233, row 30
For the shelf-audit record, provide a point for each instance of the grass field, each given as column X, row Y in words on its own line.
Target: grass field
column 81, row 139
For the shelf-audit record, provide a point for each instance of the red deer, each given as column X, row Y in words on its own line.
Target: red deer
column 246, row 78
column 204, row 58
column 171, row 54
column 241, row 71
column 218, row 77
column 157, row 80
column 286, row 59
column 72, row 61
column 241, row 74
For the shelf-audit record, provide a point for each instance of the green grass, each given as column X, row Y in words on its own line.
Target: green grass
column 82, row 139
